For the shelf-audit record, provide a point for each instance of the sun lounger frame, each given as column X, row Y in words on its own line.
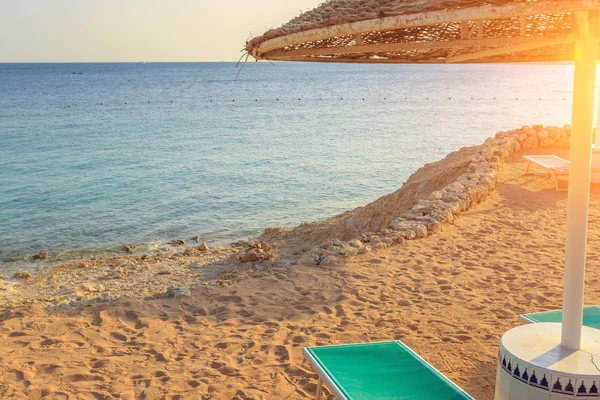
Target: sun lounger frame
column 333, row 388
column 525, row 318
column 551, row 171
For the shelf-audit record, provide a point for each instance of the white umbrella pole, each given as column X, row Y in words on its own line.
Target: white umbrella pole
column 579, row 188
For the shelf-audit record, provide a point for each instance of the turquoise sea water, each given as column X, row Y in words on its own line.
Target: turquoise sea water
column 94, row 177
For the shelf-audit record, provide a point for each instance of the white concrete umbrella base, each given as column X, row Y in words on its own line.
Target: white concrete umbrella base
column 532, row 364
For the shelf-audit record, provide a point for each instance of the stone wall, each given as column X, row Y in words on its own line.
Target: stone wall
column 443, row 206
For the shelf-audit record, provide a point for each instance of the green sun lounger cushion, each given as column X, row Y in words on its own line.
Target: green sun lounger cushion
column 385, row 370
column 591, row 316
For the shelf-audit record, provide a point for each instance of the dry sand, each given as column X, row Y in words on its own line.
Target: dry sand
column 450, row 297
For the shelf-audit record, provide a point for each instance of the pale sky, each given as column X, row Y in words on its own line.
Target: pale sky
column 136, row 30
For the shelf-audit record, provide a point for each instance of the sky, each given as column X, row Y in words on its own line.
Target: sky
column 136, row 30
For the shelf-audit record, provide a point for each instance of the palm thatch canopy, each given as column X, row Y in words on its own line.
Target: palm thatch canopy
column 429, row 31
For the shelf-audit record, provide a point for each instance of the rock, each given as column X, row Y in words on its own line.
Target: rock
column 198, row 239
column 530, row 143
column 554, row 132
column 343, row 251
column 517, row 146
column 177, row 292
column 250, row 256
column 339, row 243
column 41, row 255
column 188, row 252
column 325, row 261
column 203, row 247
column 542, row 134
column 179, row 242
column 421, row 231
column 356, row 243
column 548, row 142
column 265, row 246
column 129, row 248
column 23, row 275
column 364, row 249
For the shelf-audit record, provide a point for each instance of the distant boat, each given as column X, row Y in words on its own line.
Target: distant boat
column 77, row 73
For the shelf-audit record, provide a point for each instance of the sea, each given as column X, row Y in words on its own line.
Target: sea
column 96, row 156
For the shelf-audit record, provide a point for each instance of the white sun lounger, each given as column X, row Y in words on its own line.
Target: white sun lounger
column 555, row 165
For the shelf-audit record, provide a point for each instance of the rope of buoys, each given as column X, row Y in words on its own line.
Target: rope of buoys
column 341, row 98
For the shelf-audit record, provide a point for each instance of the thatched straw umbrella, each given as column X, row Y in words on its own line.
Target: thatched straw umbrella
column 471, row 31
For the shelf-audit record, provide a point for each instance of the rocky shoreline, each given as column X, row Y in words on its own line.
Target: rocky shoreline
column 445, row 205
column 177, row 267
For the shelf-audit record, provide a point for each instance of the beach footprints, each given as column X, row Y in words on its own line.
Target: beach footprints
column 281, row 353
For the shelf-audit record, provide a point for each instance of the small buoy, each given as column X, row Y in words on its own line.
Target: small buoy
column 126, row 103
column 427, row 98
column 449, row 98
column 363, row 99
column 341, row 98
column 171, row 101
column 101, row 103
column 517, row 98
column 385, row 98
column 471, row 98
column 69, row 106
column 211, row 100
column 540, row 99
column 233, row 100
column 299, row 98
column 278, row 99
column 256, row 100
column 406, row 98
column 148, row 101
column 494, row 98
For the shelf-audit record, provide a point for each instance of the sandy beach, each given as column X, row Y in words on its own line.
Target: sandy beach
column 240, row 331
